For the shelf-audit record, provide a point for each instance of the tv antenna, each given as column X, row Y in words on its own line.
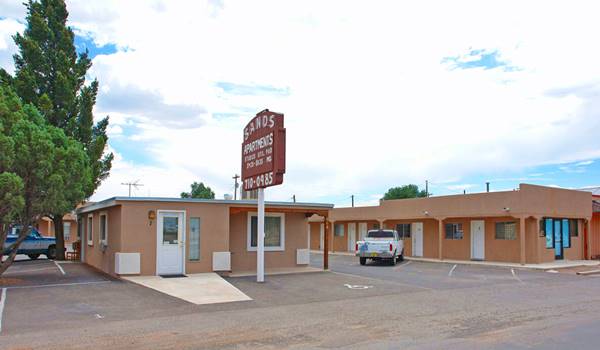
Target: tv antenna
column 134, row 184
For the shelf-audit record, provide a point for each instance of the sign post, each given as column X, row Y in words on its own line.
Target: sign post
column 263, row 165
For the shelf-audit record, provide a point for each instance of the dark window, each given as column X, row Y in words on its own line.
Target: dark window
column 574, row 227
column 273, row 231
column 506, row 230
column 454, row 231
column 403, row 230
column 338, row 230
column 376, row 226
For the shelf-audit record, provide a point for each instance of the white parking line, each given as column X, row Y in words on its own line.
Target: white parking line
column 401, row 265
column 452, row 270
column 59, row 284
column 2, row 303
column 515, row 275
column 59, row 267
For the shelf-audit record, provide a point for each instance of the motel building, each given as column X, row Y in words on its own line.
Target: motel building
column 173, row 236
column 530, row 225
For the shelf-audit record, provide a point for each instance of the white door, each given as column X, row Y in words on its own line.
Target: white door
column 351, row 236
column 477, row 240
column 321, row 237
column 417, row 239
column 362, row 230
column 170, row 243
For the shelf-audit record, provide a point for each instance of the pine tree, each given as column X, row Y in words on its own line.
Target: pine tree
column 51, row 75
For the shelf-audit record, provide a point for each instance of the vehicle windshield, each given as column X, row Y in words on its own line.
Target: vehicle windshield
column 381, row 234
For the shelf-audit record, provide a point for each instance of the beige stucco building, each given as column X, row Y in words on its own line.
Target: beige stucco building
column 533, row 224
column 172, row 236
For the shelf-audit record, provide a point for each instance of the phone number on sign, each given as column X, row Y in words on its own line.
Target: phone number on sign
column 262, row 180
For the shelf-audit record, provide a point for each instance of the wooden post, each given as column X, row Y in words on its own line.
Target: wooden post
column 588, row 239
column 325, row 244
column 522, row 238
column 440, row 237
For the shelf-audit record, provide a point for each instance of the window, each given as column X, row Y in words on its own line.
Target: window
column 403, row 230
column 376, row 226
column 454, row 231
column 170, row 229
column 67, row 230
column 574, row 227
column 274, row 231
column 506, row 230
column 194, row 247
column 381, row 234
column 90, row 229
column 103, row 229
column 338, row 230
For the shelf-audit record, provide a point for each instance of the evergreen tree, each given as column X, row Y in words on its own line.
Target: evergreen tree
column 40, row 169
column 51, row 75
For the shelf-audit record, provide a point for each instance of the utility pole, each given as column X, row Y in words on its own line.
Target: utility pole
column 134, row 184
column 426, row 188
column 352, row 196
column 235, row 189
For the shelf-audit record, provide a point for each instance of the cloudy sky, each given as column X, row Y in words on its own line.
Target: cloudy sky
column 375, row 93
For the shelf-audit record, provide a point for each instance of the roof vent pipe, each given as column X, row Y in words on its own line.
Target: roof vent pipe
column 487, row 186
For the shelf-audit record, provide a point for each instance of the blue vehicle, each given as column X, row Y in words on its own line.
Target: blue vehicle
column 34, row 245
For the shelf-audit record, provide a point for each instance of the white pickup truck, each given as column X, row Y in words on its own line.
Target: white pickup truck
column 380, row 244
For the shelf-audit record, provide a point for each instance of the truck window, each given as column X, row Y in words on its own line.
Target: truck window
column 381, row 234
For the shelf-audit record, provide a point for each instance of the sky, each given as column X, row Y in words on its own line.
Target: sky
column 376, row 94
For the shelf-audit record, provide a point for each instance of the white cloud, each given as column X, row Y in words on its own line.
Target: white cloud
column 371, row 103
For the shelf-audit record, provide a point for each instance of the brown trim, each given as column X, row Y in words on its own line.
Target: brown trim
column 236, row 210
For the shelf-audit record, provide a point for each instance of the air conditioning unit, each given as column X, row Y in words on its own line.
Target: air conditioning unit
column 127, row 263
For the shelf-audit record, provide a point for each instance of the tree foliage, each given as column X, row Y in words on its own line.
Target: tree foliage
column 40, row 167
column 51, row 75
column 403, row 192
column 199, row 190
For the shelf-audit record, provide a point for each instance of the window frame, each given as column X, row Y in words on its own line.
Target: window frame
column 104, row 241
column 455, row 225
column 514, row 223
column 281, row 246
column 89, row 229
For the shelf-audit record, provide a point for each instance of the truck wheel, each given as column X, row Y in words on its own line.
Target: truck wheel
column 51, row 253
column 393, row 261
column 33, row 256
column 363, row 261
column 401, row 257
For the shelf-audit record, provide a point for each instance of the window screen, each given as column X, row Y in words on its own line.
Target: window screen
column 506, row 230
column 194, row 246
column 272, row 231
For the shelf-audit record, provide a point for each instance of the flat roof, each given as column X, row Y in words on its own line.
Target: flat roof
column 243, row 202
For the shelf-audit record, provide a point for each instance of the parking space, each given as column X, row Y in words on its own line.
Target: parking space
column 440, row 275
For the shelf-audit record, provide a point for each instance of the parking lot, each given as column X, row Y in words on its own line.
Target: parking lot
column 413, row 304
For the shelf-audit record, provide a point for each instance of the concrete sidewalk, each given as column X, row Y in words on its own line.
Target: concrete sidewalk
column 277, row 271
column 559, row 264
column 199, row 289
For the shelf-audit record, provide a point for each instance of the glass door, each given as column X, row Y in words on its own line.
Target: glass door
column 558, row 244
